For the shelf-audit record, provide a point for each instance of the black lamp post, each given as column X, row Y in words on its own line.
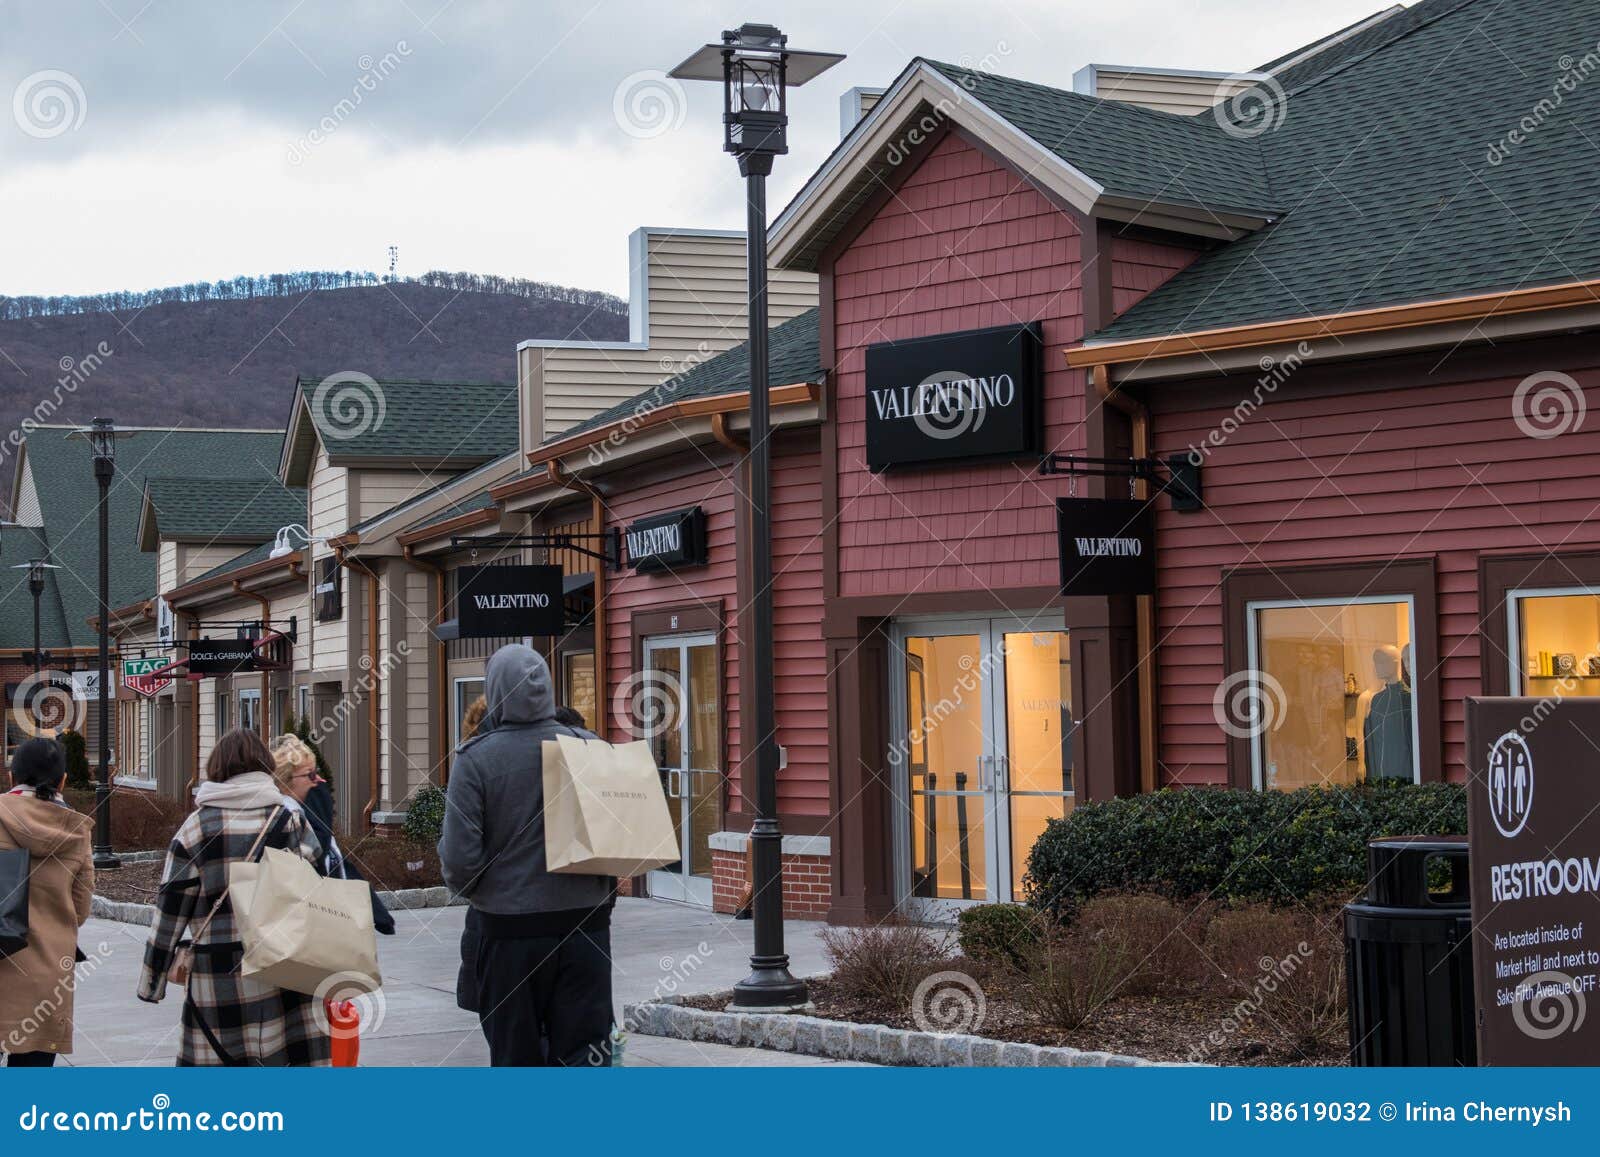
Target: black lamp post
column 756, row 67
column 36, row 568
column 102, row 434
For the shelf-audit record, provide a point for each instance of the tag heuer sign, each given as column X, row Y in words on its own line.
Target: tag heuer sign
column 509, row 601
column 221, row 656
column 1108, row 546
column 973, row 394
column 1533, row 836
column 669, row 541
column 137, row 677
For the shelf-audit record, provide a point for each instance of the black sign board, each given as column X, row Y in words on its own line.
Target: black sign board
column 221, row 656
column 509, row 601
column 1108, row 546
column 329, row 593
column 1534, row 860
column 668, row 541
column 964, row 395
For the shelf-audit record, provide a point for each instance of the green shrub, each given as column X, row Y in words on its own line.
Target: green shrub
column 1226, row 844
column 77, row 759
column 997, row 933
column 424, row 821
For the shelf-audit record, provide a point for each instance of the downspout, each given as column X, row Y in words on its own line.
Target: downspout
column 194, row 715
column 441, row 704
column 1144, row 605
column 597, row 518
column 725, row 435
column 266, row 689
column 373, row 779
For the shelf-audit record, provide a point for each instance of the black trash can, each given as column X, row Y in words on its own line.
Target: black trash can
column 1408, row 955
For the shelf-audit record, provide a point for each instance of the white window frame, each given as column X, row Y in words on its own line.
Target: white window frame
column 250, row 694
column 1253, row 654
column 460, row 708
column 1514, row 624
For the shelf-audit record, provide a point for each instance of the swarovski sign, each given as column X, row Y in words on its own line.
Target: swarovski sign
column 968, row 395
column 509, row 601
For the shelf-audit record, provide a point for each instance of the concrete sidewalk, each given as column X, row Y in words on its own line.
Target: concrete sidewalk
column 659, row 949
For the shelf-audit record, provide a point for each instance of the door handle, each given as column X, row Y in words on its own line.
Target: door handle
column 1002, row 773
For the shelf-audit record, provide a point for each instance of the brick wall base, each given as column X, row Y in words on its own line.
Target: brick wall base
column 807, row 884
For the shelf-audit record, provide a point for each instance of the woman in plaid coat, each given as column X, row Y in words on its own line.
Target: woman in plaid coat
column 228, row 1019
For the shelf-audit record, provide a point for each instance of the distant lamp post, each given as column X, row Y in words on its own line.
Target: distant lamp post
column 102, row 435
column 756, row 68
column 36, row 579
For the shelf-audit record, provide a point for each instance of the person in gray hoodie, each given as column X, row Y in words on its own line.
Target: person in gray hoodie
column 543, row 968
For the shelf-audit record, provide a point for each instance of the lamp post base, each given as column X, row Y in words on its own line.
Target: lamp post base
column 770, row 988
column 106, row 862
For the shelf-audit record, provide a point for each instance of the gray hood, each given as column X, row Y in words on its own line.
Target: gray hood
column 517, row 688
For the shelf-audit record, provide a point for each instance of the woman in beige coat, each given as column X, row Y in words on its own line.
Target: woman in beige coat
column 37, row 982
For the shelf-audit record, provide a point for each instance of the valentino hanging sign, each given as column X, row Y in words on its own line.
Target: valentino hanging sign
column 973, row 394
column 509, row 601
column 669, row 541
column 1108, row 546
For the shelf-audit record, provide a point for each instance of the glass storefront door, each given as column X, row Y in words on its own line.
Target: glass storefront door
column 982, row 754
column 684, row 729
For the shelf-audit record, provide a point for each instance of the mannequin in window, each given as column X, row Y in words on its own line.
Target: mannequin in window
column 1386, row 727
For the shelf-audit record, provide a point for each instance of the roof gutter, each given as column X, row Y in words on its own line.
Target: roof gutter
column 223, row 583
column 1473, row 308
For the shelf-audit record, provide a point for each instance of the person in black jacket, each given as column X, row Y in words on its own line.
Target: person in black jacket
column 306, row 792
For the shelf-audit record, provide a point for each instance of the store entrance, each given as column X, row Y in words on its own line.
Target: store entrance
column 982, row 757
column 682, row 716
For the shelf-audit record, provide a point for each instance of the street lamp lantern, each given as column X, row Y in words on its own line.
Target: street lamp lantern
column 756, row 67
column 36, row 568
column 102, row 435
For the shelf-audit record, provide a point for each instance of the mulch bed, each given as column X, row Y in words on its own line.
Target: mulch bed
column 131, row 883
column 1158, row 1028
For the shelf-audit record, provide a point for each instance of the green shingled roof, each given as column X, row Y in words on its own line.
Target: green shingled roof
column 220, row 509
column 68, row 497
column 430, row 420
column 792, row 356
column 1381, row 160
column 1130, row 151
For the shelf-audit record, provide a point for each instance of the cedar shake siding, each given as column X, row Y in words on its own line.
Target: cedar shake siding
column 964, row 243
column 705, row 476
column 1409, row 462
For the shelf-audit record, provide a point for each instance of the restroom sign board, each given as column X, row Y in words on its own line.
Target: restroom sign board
column 509, row 601
column 1534, row 860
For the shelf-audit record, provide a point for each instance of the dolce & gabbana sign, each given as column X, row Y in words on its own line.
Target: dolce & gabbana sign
column 1107, row 546
column 509, row 601
column 973, row 394
column 668, row 541
column 221, row 656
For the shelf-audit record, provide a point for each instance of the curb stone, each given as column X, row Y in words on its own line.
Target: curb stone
column 408, row 899
column 847, row 1040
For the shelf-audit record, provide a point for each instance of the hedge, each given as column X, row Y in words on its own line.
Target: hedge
column 1228, row 844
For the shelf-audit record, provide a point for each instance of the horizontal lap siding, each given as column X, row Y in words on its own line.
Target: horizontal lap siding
column 798, row 653
column 963, row 244
column 1437, row 470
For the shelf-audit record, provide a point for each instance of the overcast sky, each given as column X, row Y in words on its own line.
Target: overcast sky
column 154, row 142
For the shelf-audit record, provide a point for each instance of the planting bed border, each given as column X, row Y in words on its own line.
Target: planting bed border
column 850, row 1041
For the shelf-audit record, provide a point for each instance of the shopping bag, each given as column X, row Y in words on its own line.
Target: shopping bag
column 13, row 900
column 301, row 931
column 604, row 811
